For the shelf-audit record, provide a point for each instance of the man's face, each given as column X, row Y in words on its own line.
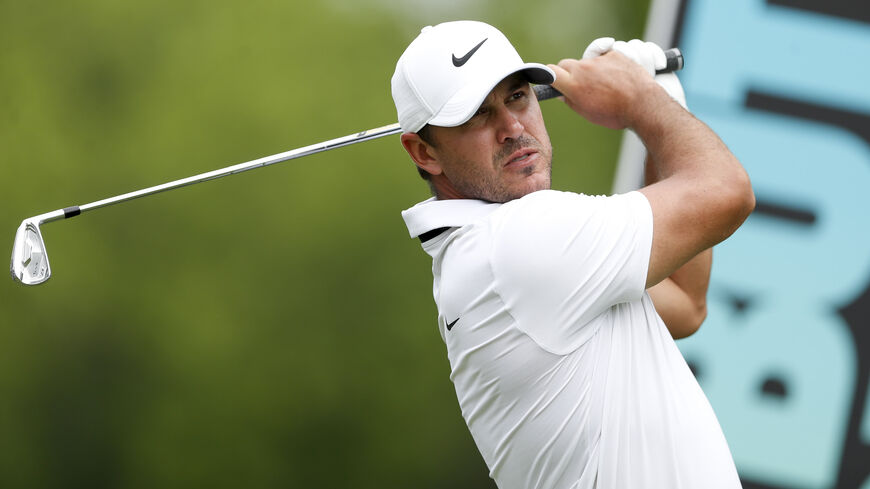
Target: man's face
column 502, row 153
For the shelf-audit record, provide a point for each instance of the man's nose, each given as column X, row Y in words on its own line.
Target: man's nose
column 509, row 125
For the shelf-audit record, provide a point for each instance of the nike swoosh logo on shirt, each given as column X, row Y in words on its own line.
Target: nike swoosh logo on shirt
column 450, row 325
column 457, row 62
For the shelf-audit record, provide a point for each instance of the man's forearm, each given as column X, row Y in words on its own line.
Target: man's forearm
column 681, row 299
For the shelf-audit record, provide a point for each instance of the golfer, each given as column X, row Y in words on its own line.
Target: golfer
column 559, row 310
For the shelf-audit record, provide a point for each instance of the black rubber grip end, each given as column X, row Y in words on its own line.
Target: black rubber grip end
column 674, row 61
column 71, row 211
column 545, row 92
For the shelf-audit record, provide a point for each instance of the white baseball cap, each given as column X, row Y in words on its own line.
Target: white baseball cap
column 449, row 69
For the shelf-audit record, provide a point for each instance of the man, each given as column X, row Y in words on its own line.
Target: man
column 565, row 372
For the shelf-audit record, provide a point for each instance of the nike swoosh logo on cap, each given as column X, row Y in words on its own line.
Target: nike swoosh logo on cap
column 457, row 62
column 450, row 325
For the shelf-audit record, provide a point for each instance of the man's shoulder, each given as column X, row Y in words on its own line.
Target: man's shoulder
column 555, row 203
column 544, row 208
column 556, row 200
column 546, row 234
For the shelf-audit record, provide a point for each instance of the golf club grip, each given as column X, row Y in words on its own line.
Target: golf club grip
column 673, row 56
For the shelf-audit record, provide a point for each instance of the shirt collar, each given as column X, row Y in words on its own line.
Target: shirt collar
column 433, row 214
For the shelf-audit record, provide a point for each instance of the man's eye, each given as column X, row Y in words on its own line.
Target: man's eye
column 518, row 95
column 481, row 111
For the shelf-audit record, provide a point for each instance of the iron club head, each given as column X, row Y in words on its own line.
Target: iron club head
column 29, row 258
column 29, row 261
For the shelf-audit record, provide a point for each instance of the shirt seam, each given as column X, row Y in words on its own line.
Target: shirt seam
column 497, row 292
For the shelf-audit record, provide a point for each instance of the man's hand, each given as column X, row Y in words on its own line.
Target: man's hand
column 647, row 54
column 603, row 89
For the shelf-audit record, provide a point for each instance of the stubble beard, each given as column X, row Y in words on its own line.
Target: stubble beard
column 488, row 186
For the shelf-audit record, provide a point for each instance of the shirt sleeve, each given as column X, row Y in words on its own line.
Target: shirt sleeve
column 561, row 259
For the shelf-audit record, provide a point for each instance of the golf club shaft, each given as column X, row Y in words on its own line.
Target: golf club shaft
column 543, row 92
column 239, row 168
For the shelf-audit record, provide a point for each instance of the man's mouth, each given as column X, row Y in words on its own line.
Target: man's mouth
column 521, row 157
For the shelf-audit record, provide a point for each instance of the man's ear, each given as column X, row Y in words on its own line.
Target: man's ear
column 421, row 152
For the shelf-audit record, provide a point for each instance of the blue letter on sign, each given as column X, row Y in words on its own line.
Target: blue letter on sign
column 776, row 357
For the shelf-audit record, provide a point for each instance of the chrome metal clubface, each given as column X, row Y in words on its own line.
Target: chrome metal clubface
column 29, row 259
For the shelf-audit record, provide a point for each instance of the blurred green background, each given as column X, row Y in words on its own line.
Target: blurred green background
column 273, row 329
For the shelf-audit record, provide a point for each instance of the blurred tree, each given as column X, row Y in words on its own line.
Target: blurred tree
column 275, row 329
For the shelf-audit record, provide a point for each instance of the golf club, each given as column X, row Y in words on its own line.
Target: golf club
column 30, row 264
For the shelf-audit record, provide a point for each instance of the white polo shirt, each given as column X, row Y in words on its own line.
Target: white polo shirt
column 565, row 374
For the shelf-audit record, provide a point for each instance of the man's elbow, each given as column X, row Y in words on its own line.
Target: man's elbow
column 700, row 316
column 738, row 202
column 692, row 323
column 746, row 196
column 741, row 186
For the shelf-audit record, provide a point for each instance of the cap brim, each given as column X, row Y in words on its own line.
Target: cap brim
column 464, row 103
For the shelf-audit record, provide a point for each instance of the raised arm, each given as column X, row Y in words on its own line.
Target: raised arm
column 702, row 194
column 681, row 298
